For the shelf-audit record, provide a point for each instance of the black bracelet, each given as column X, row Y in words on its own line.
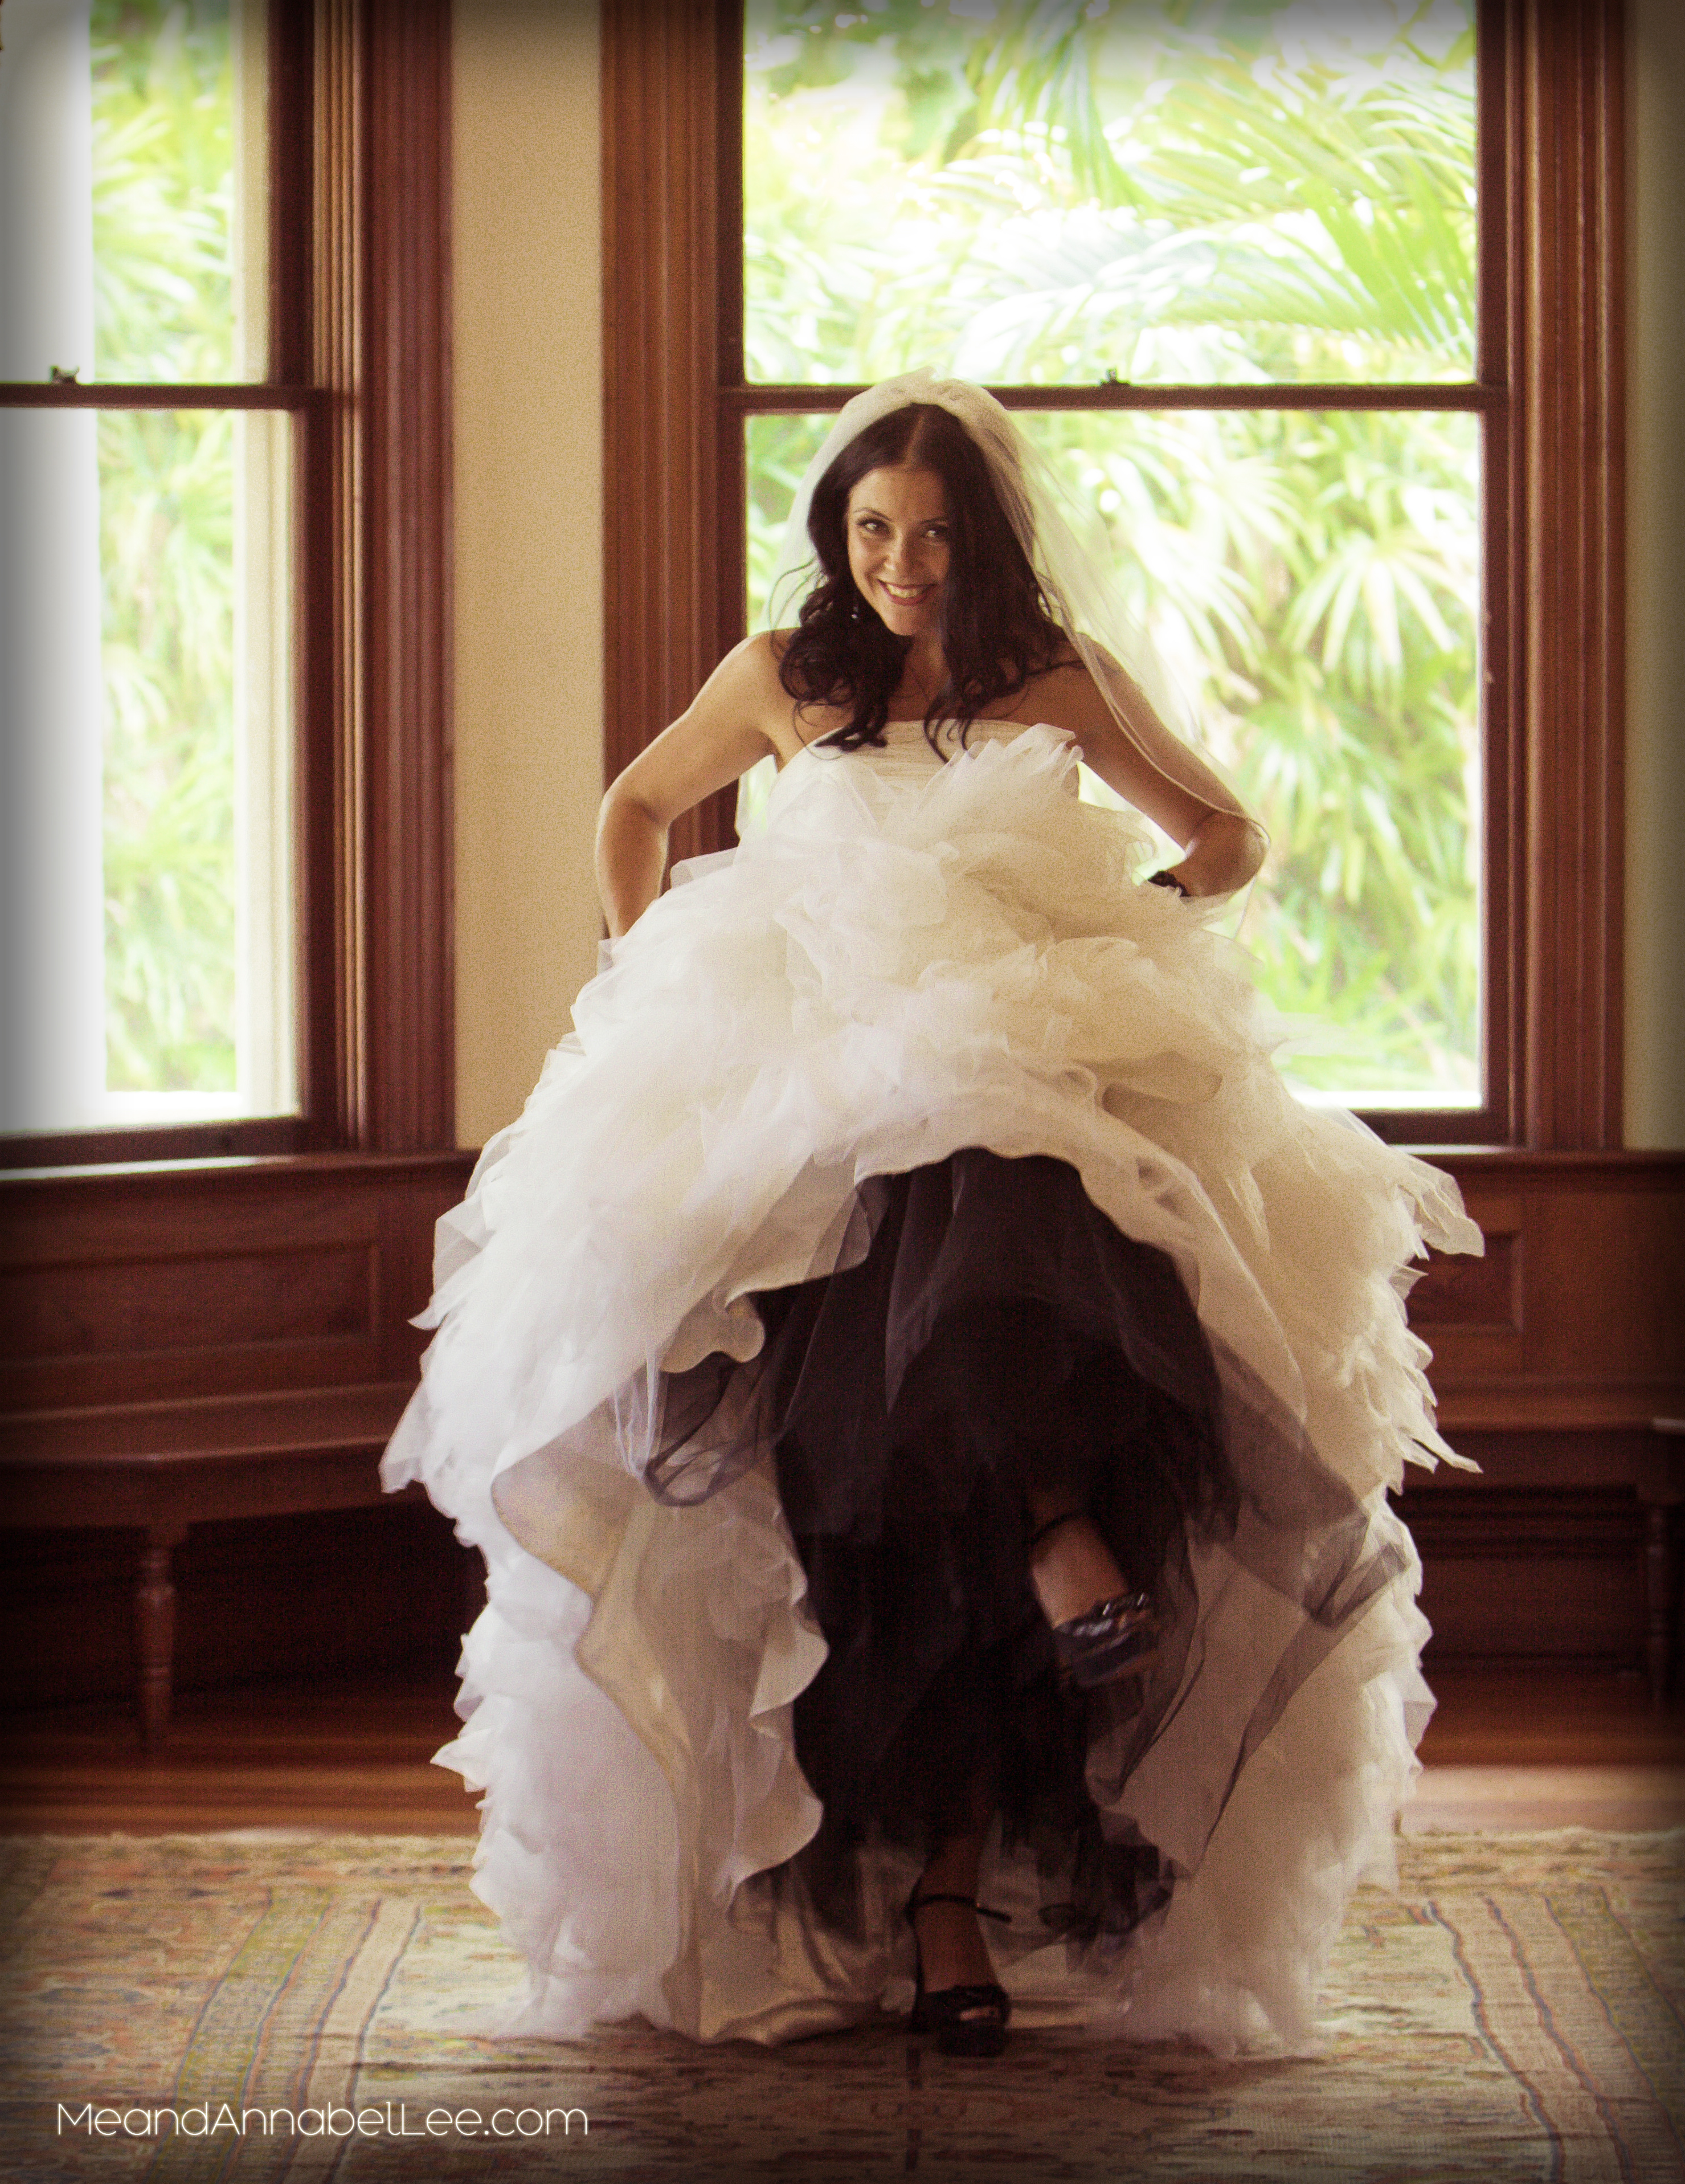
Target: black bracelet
column 1168, row 880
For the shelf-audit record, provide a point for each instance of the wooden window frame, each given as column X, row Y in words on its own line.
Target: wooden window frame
column 1550, row 386
column 359, row 113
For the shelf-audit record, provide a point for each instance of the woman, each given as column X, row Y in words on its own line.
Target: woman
column 926, row 1393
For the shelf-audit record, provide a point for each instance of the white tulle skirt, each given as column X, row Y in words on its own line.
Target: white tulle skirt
column 906, row 962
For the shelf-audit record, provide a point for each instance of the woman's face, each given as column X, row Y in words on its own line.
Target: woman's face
column 897, row 546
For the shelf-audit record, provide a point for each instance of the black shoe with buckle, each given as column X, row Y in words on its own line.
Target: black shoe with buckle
column 965, row 2021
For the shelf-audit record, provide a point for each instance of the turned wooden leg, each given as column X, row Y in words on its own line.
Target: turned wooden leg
column 1659, row 1598
column 155, row 1630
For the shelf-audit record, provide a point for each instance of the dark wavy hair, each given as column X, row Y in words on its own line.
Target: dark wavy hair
column 997, row 628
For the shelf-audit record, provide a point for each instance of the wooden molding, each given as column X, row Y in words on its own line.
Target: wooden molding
column 377, row 823
column 672, row 522
column 333, row 964
column 1564, row 69
column 408, row 1079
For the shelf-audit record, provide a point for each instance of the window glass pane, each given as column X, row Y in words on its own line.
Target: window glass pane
column 780, row 449
column 1043, row 191
column 1310, row 582
column 133, row 154
column 144, row 687
column 179, row 189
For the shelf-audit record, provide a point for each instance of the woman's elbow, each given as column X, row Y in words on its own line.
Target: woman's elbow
column 1252, row 846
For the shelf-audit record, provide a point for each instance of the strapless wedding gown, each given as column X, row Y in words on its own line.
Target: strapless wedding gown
column 908, row 969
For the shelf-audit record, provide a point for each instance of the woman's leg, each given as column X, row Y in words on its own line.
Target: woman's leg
column 952, row 1950
column 1072, row 1567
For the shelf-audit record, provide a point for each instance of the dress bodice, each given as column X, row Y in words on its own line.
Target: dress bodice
column 907, row 754
column 902, row 738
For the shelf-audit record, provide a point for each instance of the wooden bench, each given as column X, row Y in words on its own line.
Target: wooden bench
column 155, row 1469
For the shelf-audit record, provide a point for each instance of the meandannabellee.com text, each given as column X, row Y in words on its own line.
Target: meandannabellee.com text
column 389, row 2119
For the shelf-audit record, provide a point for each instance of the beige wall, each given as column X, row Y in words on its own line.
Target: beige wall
column 529, row 580
column 529, row 552
column 1655, row 721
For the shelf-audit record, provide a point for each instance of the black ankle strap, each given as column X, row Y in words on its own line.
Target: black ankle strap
column 916, row 1902
column 1064, row 1517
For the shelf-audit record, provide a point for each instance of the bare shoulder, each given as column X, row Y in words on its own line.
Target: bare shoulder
column 748, row 674
column 1122, row 737
column 1066, row 695
column 746, row 688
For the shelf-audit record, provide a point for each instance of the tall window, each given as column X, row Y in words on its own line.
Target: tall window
column 146, row 546
column 224, row 578
column 1235, row 243
column 1361, row 294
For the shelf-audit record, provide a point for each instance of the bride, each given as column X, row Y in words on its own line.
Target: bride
column 925, row 1391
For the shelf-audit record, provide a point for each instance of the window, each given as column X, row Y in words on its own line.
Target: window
column 223, row 590
column 1417, row 659
column 1144, row 206
column 148, row 634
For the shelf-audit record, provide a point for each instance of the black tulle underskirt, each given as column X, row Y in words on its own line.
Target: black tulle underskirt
column 1000, row 1339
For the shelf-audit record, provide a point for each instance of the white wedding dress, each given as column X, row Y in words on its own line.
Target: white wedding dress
column 905, row 959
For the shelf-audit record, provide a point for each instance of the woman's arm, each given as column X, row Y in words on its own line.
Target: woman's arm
column 718, row 737
column 1155, row 771
column 1222, row 854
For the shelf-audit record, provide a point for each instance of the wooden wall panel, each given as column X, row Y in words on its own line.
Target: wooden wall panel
column 1551, row 1358
column 176, row 1284
column 1579, row 1323
column 203, row 1363
column 191, row 1303
column 1525, row 1579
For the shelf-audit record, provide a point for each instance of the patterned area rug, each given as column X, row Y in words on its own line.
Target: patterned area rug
column 258, row 2007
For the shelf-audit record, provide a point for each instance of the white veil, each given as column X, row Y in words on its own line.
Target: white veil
column 1081, row 595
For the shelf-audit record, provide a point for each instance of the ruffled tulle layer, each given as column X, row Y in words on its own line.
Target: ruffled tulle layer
column 909, row 962
column 1001, row 1346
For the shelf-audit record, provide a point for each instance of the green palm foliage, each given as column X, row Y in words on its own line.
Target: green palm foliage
column 166, row 511
column 1047, row 192
column 163, row 207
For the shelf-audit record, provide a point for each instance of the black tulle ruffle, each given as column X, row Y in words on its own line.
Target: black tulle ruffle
column 998, row 1337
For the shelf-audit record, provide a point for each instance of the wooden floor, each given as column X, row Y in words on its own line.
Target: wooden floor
column 1532, row 1747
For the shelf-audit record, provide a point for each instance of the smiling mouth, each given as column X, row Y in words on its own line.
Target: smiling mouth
column 905, row 595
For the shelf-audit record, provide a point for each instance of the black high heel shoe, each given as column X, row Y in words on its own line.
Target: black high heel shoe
column 1115, row 1638
column 966, row 2020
